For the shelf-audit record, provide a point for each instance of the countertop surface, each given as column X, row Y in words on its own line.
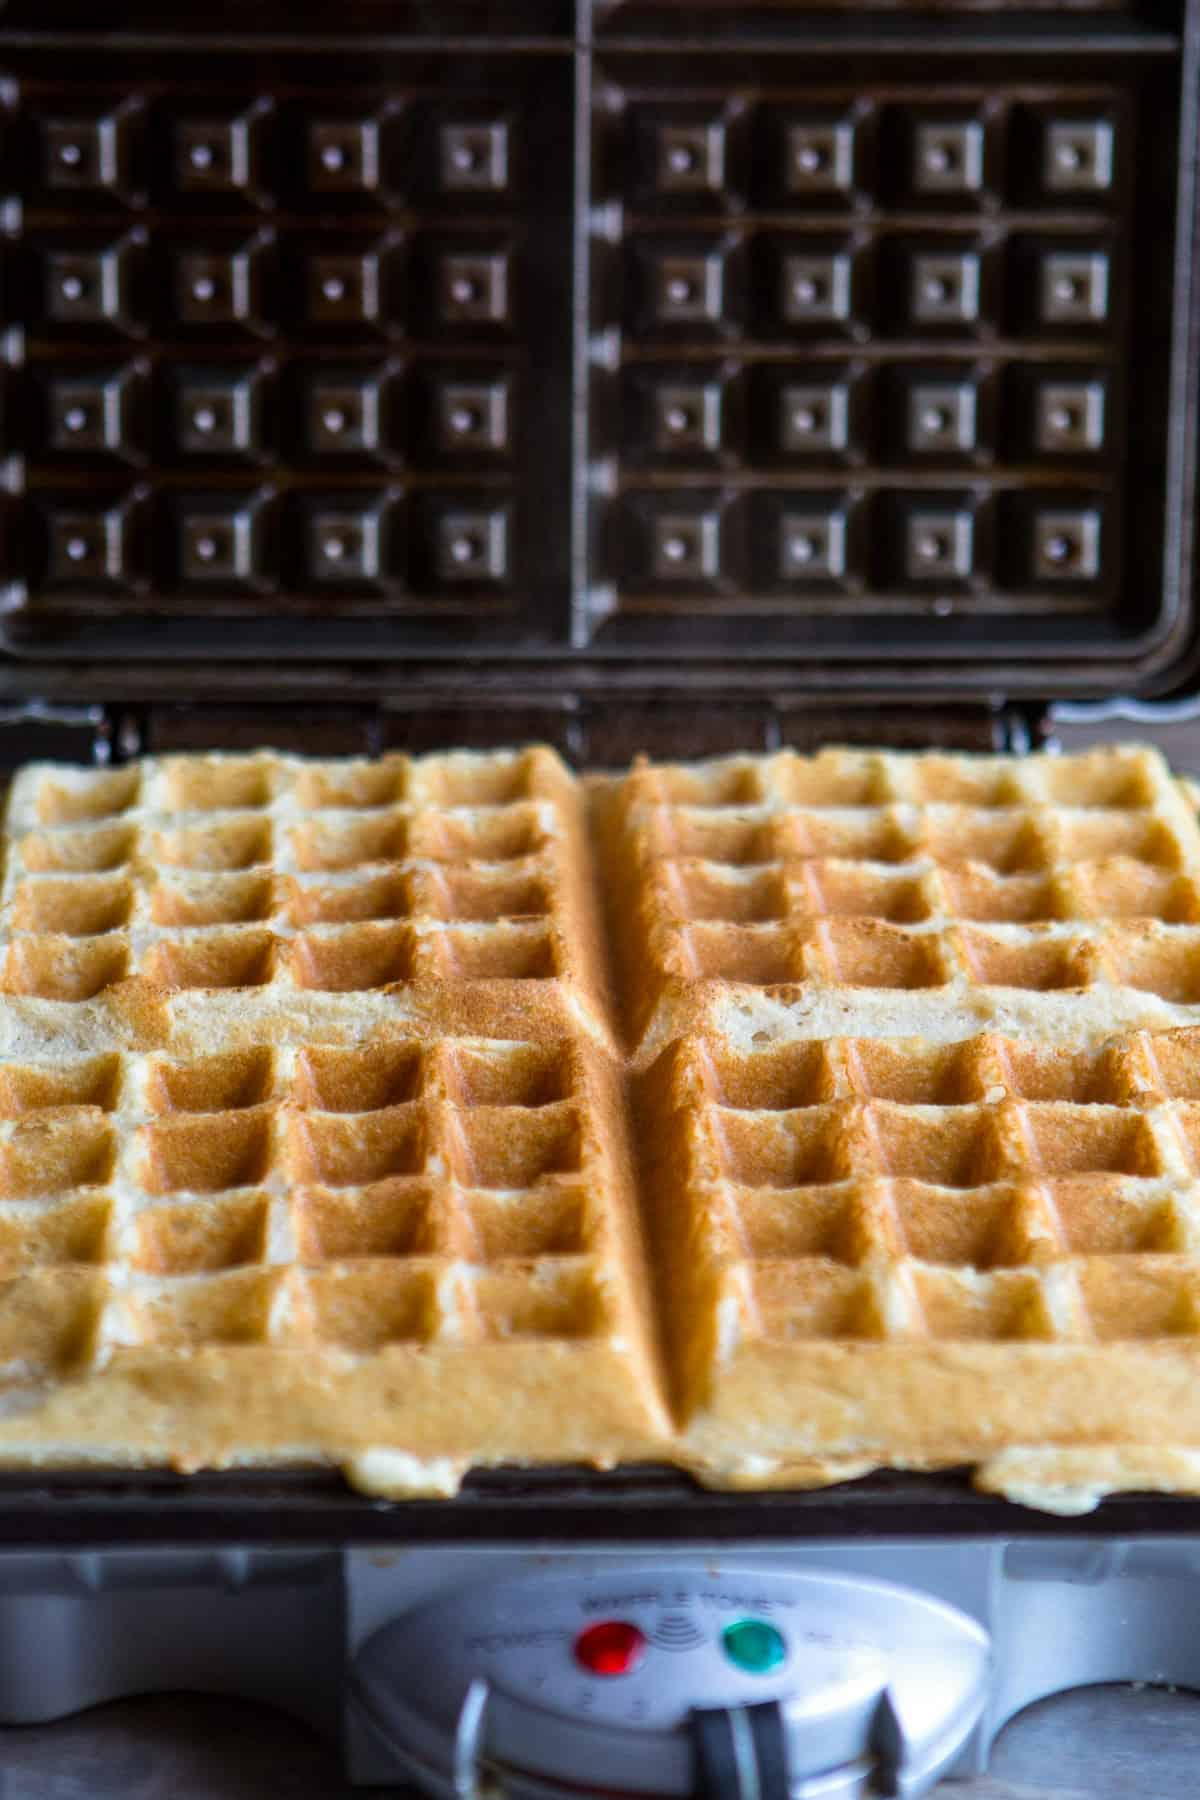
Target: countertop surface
column 1114, row 1743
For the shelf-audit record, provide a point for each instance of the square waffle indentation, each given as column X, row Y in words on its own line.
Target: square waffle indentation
column 468, row 781
column 507, row 1075
column 782, row 1079
column 832, row 889
column 834, row 781
column 956, row 1149
column 63, row 968
column 239, row 843
column 1154, row 963
column 451, row 893
column 1139, row 836
column 493, row 834
column 706, row 784
column 1185, row 1115
column 358, row 901
column 1096, row 1221
column 205, row 1153
column 330, row 843
column 862, row 953
column 759, row 955
column 1136, row 1299
column 217, row 784
column 1008, row 842
column 92, row 852
column 1105, row 779
column 786, row 1150
column 814, row 1298
column 980, row 895
column 199, row 1237
column 710, row 837
column 1054, row 1072
column 238, row 899
column 1004, row 1305
column 90, row 796
column 912, row 1074
column 975, row 1229
column 353, row 958
column 229, row 958
column 514, row 1147
column 357, row 1081
column 55, row 1155
column 48, row 1319
column 229, row 1307
column 342, row 1150
column 784, row 1225
column 351, row 785
column 1119, row 888
column 1175, row 1056
column 210, row 1084
column 395, row 1218
column 364, row 1305
column 1039, row 964
column 1089, row 1140
column 553, row 1221
column 558, row 1298
column 68, row 1231
column 860, row 836
column 719, row 891
column 506, row 951
column 81, row 907
column 957, row 781
column 26, row 1088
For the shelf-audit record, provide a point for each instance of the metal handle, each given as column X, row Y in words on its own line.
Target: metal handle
column 741, row 1752
column 468, row 1740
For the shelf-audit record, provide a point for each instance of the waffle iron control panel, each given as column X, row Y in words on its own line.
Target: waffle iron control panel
column 779, row 1685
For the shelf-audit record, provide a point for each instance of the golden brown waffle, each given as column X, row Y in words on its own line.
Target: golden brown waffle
column 418, row 1246
column 868, row 893
column 877, row 1250
column 317, row 1141
column 310, row 1150
column 454, row 886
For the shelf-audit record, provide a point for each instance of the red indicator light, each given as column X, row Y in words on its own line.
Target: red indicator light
column 611, row 1648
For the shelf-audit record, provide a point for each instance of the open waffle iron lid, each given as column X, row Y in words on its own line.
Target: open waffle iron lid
column 561, row 353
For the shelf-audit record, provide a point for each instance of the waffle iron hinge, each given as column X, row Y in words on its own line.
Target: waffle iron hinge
column 596, row 729
column 588, row 729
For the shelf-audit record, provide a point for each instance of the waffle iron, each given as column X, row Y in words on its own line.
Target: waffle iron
column 626, row 375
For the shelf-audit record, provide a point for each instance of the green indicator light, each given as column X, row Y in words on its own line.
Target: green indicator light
column 754, row 1646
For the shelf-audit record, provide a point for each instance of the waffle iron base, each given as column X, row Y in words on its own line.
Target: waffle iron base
column 267, row 1587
